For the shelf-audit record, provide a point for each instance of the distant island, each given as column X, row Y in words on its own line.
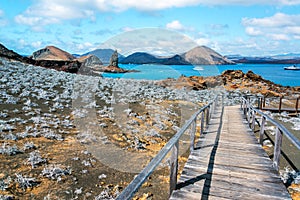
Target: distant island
column 100, row 60
column 91, row 64
column 277, row 59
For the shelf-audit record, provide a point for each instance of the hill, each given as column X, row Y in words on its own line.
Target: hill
column 51, row 53
column 203, row 55
column 141, row 58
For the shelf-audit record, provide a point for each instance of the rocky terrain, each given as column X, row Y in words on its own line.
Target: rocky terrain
column 233, row 80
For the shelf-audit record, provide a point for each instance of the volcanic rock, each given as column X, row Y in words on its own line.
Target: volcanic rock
column 52, row 53
column 114, row 60
column 113, row 66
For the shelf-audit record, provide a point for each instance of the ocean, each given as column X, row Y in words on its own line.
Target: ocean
column 272, row 72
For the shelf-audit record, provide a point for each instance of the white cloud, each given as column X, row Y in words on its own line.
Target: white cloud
column 280, row 26
column 3, row 21
column 175, row 25
column 46, row 12
column 37, row 44
column 279, row 36
column 252, row 31
column 277, row 20
column 84, row 46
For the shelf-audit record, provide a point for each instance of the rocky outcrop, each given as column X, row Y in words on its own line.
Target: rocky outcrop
column 51, row 53
column 232, row 80
column 203, row 55
column 113, row 66
column 59, row 65
column 90, row 61
column 104, row 54
column 67, row 65
column 114, row 60
column 90, row 65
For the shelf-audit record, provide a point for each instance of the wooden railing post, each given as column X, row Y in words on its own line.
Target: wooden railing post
column 248, row 112
column 297, row 103
column 207, row 116
column 245, row 107
column 280, row 104
column 262, row 129
column 202, row 123
column 192, row 134
column 253, row 120
column 174, row 167
column 277, row 148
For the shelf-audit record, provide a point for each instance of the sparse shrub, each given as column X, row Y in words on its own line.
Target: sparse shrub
column 52, row 136
column 55, row 172
column 35, row 159
column 29, row 145
column 9, row 150
column 25, row 182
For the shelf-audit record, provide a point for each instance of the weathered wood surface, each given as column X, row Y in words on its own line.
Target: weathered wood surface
column 276, row 110
column 229, row 163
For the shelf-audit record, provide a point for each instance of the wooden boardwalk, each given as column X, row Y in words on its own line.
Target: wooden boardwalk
column 228, row 163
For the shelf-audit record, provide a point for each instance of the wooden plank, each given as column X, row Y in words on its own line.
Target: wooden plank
column 235, row 193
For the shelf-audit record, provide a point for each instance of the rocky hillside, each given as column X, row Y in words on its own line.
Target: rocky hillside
column 6, row 53
column 203, row 55
column 51, row 53
column 71, row 66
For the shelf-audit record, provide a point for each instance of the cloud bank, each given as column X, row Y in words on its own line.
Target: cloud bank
column 278, row 27
column 45, row 12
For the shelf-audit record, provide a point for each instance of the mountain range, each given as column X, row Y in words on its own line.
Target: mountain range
column 53, row 57
column 290, row 58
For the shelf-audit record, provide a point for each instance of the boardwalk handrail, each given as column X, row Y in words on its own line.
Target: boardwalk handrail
column 250, row 113
column 172, row 144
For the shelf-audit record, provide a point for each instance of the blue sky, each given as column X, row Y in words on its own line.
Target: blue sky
column 257, row 27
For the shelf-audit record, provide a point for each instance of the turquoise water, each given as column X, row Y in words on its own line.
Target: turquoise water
column 272, row 72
